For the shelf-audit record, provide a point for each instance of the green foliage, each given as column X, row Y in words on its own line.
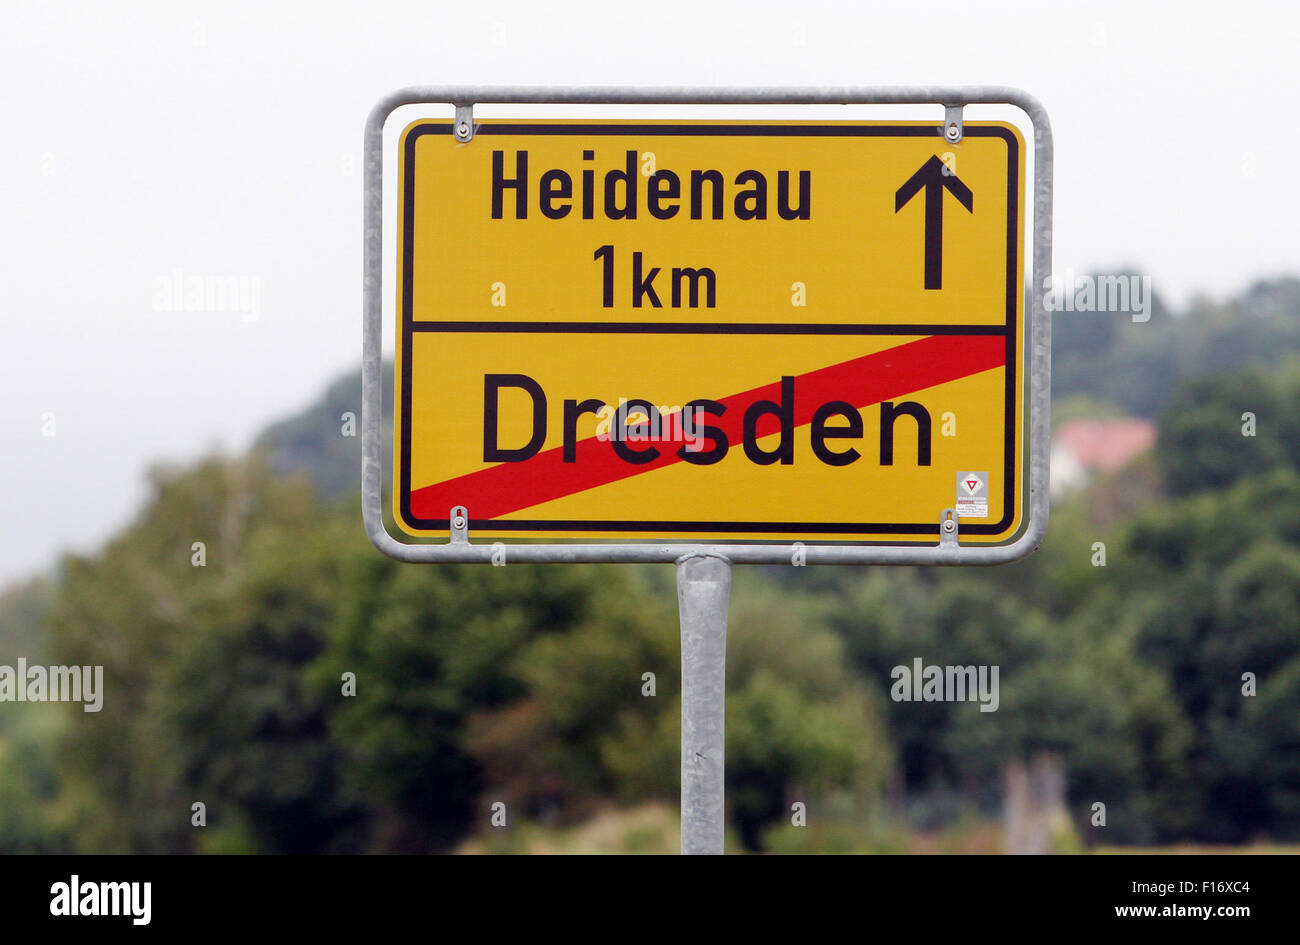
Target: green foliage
column 136, row 609
column 516, row 684
column 1083, row 407
column 251, row 733
column 1268, row 762
column 30, row 818
column 800, row 725
column 23, row 610
column 1136, row 365
column 524, row 684
column 1213, row 590
column 313, row 441
column 1202, row 445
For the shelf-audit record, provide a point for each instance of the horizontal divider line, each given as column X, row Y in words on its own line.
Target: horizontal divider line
column 707, row 328
column 505, row 524
column 738, row 128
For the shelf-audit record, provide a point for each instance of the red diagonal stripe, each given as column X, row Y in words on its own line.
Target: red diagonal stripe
column 903, row 369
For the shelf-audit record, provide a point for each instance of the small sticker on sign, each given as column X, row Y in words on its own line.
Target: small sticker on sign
column 972, row 495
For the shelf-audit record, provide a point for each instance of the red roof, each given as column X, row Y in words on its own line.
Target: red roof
column 1105, row 444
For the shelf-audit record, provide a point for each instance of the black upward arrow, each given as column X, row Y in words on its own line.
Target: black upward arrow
column 934, row 176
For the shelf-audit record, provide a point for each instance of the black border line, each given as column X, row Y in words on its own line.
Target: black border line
column 408, row 326
column 705, row 328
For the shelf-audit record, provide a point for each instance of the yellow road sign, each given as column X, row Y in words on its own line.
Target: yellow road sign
column 711, row 331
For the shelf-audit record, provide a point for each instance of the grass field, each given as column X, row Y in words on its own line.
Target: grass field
column 655, row 829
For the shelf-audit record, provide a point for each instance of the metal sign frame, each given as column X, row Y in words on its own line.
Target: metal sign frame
column 948, row 550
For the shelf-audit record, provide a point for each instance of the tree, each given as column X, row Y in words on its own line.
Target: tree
column 1201, row 439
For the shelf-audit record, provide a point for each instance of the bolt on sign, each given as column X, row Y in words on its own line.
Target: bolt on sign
column 712, row 330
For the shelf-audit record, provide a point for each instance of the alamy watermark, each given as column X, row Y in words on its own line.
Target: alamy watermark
column 23, row 683
column 78, row 897
column 182, row 291
column 921, row 683
column 639, row 421
column 1121, row 294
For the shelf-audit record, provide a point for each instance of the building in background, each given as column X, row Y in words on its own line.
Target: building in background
column 1081, row 448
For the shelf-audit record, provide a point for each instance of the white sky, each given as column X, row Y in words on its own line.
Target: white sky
column 225, row 139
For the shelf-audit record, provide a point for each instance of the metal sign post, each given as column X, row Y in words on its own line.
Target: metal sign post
column 707, row 341
column 703, row 593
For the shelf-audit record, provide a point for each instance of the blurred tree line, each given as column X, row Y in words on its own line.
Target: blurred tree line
column 229, row 684
column 1136, row 366
column 1153, row 644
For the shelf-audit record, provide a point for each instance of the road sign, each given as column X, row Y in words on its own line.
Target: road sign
column 739, row 334
column 629, row 339
column 710, row 330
